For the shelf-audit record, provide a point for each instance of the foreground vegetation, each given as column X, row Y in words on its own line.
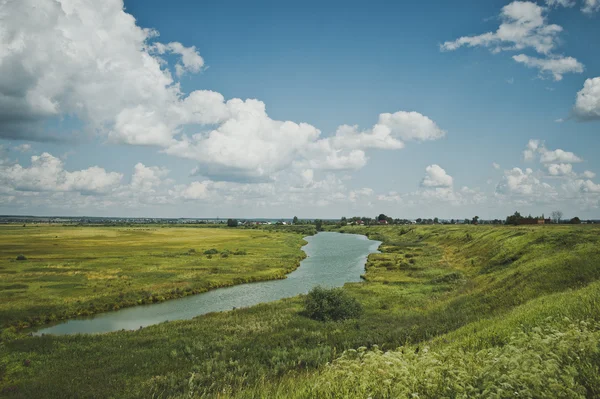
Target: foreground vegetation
column 49, row 273
column 447, row 311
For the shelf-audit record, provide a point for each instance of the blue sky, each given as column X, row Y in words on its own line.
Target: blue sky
column 101, row 105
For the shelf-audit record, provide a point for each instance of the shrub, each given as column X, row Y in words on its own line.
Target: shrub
column 331, row 304
column 21, row 257
column 211, row 251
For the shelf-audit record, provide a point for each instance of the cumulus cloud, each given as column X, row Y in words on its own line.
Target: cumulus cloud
column 47, row 173
column 436, row 176
column 587, row 105
column 589, row 174
column 522, row 182
column 562, row 169
column 556, row 66
column 523, row 26
column 496, row 165
column 558, row 155
column 536, row 148
column 54, row 62
column 83, row 58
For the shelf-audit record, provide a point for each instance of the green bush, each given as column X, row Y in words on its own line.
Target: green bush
column 211, row 251
column 21, row 257
column 331, row 304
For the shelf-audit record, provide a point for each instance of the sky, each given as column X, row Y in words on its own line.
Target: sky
column 279, row 109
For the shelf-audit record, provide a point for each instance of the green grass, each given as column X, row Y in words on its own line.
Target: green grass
column 78, row 271
column 448, row 311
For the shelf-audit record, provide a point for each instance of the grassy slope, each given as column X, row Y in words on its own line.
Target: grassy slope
column 73, row 271
column 462, row 289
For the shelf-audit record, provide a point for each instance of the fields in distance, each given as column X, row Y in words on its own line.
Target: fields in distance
column 78, row 271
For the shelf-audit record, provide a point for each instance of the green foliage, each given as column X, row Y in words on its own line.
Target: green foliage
column 514, row 219
column 212, row 251
column 232, row 223
column 330, row 304
column 21, row 257
column 319, row 225
column 549, row 361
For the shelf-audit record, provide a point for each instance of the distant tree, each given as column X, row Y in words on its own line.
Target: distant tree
column 475, row 220
column 295, row 220
column 319, row 224
column 556, row 216
column 419, row 220
column 575, row 220
column 467, row 221
column 343, row 221
column 232, row 222
column 514, row 219
column 452, row 221
column 381, row 217
column 436, row 221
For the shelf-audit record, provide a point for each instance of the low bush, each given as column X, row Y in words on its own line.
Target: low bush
column 21, row 257
column 331, row 304
column 211, row 251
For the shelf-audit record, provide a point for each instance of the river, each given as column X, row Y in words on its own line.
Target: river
column 333, row 259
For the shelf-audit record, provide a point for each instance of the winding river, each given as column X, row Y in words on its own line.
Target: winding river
column 333, row 260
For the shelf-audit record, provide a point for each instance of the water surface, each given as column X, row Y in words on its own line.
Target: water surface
column 333, row 260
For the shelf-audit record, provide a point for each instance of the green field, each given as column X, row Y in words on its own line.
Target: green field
column 448, row 311
column 78, row 271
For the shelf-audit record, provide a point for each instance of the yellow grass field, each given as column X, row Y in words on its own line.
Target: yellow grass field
column 75, row 271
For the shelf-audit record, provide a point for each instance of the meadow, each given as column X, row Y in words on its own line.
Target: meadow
column 448, row 311
column 71, row 271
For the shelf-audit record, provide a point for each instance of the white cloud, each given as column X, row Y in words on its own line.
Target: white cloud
column 525, row 183
column 195, row 191
column 546, row 156
column 84, row 58
column 590, row 6
column 410, row 126
column 562, row 169
column 532, row 147
column 587, row 105
column 436, row 177
column 557, row 66
column 89, row 59
column 496, row 166
column 563, row 3
column 191, row 61
column 523, row 26
column 348, row 137
column 147, row 178
column 46, row 173
column 558, row 155
column 589, row 174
